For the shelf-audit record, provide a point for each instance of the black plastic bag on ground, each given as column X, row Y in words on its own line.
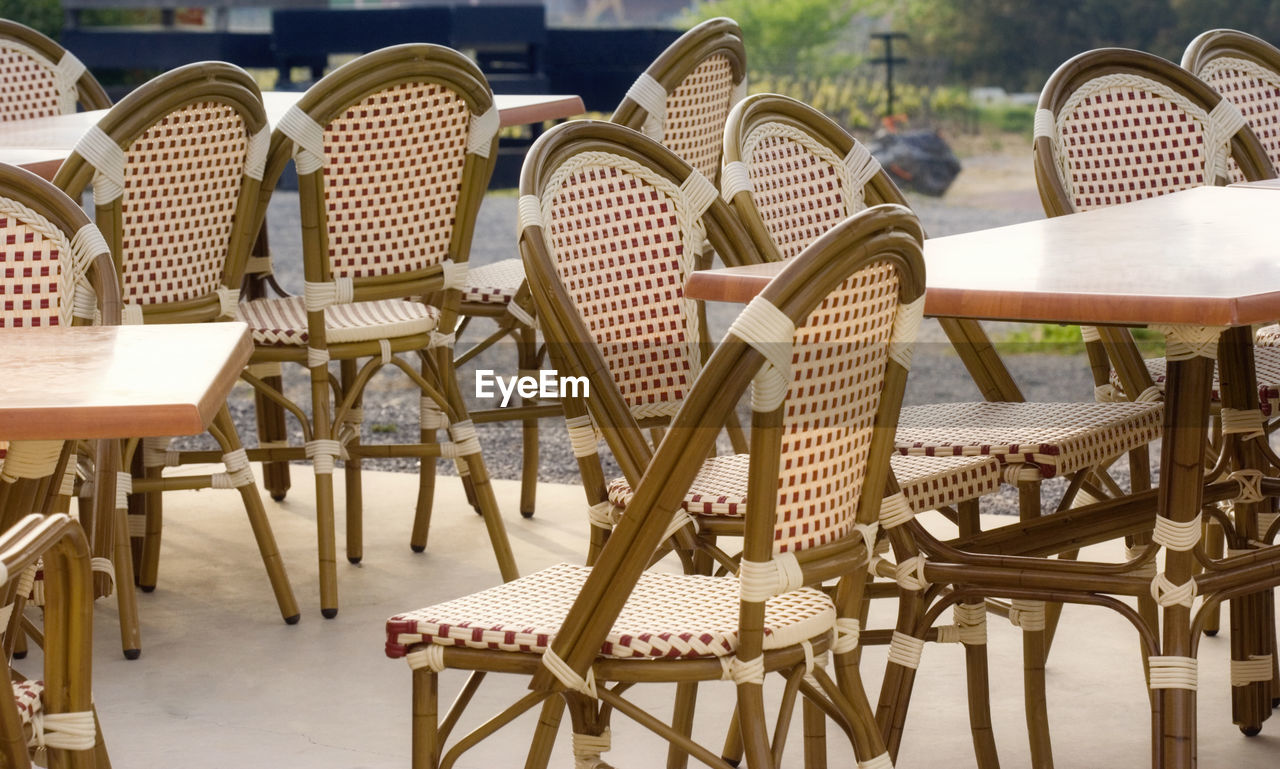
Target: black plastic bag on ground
column 917, row 160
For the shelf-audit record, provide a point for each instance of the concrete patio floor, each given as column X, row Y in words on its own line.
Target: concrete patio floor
column 222, row 681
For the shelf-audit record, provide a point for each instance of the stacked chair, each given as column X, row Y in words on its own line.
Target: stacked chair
column 58, row 272
column 394, row 151
column 40, row 78
column 847, row 299
column 681, row 101
column 175, row 169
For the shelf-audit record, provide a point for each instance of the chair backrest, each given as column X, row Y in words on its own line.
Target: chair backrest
column 175, row 167
column 1115, row 125
column 620, row 222
column 394, row 151
column 826, row 348
column 683, row 98
column 39, row 78
column 1246, row 71
column 791, row 173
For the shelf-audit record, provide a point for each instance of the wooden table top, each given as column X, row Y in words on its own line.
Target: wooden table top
column 1205, row 256
column 116, row 381
column 40, row 145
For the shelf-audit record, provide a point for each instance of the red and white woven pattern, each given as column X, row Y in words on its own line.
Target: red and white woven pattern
column 283, row 322
column 1123, row 138
column 837, row 369
column 666, row 616
column 28, row 88
column 1267, row 366
column 696, row 113
column 720, row 487
column 800, row 185
column 1056, row 438
column 182, row 181
column 1256, row 91
column 495, row 283
column 624, row 246
column 392, row 175
column 34, row 290
column 28, row 696
column 1268, row 336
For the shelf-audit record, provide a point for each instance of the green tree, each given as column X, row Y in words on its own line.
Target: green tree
column 43, row 15
column 789, row 36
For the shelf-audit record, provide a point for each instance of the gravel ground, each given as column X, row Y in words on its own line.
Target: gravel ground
column 994, row 190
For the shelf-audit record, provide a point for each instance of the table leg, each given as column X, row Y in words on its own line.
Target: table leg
column 1252, row 637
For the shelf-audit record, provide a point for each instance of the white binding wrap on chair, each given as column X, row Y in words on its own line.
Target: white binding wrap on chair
column 454, row 274
column 860, row 167
column 906, row 328
column 970, row 625
column 255, row 158
column 430, row 415
column 651, row 97
column 66, row 80
column 1250, row 485
column 30, row 459
column 1046, row 125
column 107, row 159
column 881, row 761
column 1177, row 536
column 308, row 140
column 430, row 656
column 317, row 296
column 64, row 731
column 895, row 510
column 1225, row 121
column 1027, row 614
column 698, row 193
column 322, row 454
column 1173, row 672
column 238, row 473
column 761, row 580
column 1147, row 569
column 587, row 749
column 482, row 129
column 465, row 441
column 567, row 676
column 848, row 634
column 1248, row 423
column 735, row 177
column 228, row 302
column 1167, row 594
column 770, row 332
column 905, row 650
column 86, row 244
column 742, row 672
column 910, row 574
column 528, row 212
column 582, row 436
column 1186, row 342
column 156, row 453
column 1256, row 668
column 68, row 486
column 600, row 515
column 124, row 487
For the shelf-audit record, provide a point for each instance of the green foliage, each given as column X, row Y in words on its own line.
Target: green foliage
column 42, row 15
column 804, row 37
column 1007, row 118
column 855, row 101
column 1065, row 340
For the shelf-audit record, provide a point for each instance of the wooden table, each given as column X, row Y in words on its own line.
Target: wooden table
column 99, row 382
column 40, row 145
column 1199, row 258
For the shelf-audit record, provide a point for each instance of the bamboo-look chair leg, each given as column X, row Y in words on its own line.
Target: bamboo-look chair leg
column 1215, row 547
column 326, row 545
column 272, row 430
column 544, row 738
column 1034, row 653
column 682, row 722
column 225, row 432
column 138, row 505
column 815, row 736
column 527, row 346
column 977, row 673
column 148, row 563
column 426, row 727
column 352, row 468
column 488, row 505
column 732, row 750
column 122, row 553
column 426, row 495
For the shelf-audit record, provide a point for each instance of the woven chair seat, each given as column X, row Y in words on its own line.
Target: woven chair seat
column 1055, row 438
column 29, row 697
column 672, row 616
column 1268, row 336
column 495, row 283
column 1266, row 361
column 283, row 322
column 720, row 488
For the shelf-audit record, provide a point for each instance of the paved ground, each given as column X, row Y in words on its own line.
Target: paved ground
column 996, row 188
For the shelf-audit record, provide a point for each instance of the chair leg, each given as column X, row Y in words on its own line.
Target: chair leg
column 1037, row 712
column 977, row 672
column 326, row 546
column 426, row 727
column 488, row 504
column 430, row 417
column 1215, row 547
column 351, row 469
column 732, row 750
column 226, row 431
column 528, row 353
column 682, row 722
column 148, row 564
column 272, row 431
column 545, row 736
column 815, row 736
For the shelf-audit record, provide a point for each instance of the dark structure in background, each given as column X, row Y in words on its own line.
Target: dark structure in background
column 509, row 39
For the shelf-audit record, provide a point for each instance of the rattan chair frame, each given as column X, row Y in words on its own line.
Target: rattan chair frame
column 132, row 119
column 885, row 234
column 18, row 37
column 328, row 99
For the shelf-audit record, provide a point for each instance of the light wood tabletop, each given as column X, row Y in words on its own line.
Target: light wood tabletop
column 41, row 144
column 1203, row 256
column 91, row 382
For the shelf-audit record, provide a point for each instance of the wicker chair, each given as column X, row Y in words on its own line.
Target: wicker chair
column 52, row 722
column 39, row 78
column 681, row 100
column 585, row 620
column 394, row 151
column 175, row 168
